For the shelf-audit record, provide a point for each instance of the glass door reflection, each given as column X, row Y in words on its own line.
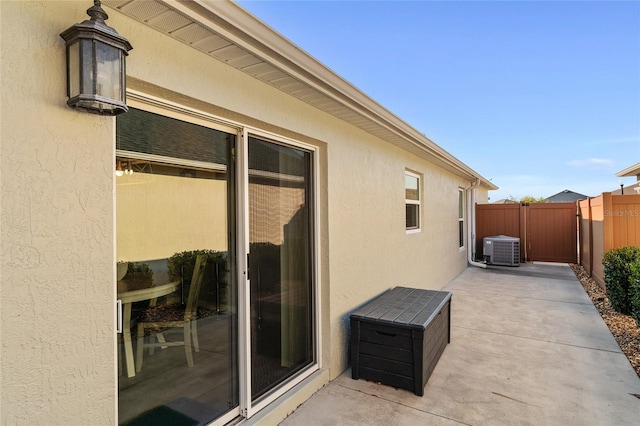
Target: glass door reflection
column 175, row 235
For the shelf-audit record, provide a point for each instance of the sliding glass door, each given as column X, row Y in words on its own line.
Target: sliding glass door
column 281, row 263
column 176, row 248
column 189, row 310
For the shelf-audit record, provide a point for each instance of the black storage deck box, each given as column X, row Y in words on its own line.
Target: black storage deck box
column 398, row 337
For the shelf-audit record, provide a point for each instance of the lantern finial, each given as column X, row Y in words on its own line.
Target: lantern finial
column 96, row 12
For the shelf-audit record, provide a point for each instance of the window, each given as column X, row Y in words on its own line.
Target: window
column 460, row 218
column 412, row 201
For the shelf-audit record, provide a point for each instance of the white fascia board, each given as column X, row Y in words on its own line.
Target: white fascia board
column 631, row 171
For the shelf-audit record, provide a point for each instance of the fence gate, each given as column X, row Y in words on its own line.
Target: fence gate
column 548, row 232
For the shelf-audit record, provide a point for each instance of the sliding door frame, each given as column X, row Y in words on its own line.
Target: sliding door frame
column 247, row 408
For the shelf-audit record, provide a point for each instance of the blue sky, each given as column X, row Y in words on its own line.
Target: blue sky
column 537, row 96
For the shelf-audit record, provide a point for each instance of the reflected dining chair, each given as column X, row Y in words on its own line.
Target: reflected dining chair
column 160, row 318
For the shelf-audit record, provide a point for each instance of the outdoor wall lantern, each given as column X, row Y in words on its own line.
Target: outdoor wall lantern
column 96, row 77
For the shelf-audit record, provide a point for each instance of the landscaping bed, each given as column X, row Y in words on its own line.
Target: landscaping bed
column 623, row 327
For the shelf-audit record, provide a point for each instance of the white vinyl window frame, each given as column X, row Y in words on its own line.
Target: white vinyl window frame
column 413, row 202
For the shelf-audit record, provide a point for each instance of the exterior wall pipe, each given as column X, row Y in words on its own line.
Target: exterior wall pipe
column 471, row 226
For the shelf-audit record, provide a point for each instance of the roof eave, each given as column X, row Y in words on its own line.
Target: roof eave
column 631, row 171
column 241, row 28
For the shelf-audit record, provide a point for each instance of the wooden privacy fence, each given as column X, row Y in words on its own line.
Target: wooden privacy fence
column 548, row 232
column 607, row 222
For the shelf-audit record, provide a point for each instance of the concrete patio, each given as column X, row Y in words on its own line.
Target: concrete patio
column 527, row 348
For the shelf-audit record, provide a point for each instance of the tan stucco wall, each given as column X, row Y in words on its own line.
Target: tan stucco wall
column 482, row 196
column 57, row 264
column 58, row 239
column 370, row 250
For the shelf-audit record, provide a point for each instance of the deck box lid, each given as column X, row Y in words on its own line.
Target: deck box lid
column 411, row 307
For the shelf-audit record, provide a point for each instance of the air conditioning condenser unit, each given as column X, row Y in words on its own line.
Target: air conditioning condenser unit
column 501, row 250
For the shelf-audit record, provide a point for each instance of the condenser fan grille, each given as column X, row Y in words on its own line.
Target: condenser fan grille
column 501, row 250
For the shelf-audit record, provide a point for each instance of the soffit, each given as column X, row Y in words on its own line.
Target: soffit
column 225, row 31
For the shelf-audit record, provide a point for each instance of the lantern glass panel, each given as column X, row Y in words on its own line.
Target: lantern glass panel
column 74, row 69
column 108, row 73
column 86, row 67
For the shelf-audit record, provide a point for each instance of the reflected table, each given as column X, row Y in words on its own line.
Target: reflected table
column 129, row 297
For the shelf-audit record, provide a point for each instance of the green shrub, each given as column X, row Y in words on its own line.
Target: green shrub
column 139, row 275
column 635, row 290
column 181, row 264
column 617, row 274
column 214, row 281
